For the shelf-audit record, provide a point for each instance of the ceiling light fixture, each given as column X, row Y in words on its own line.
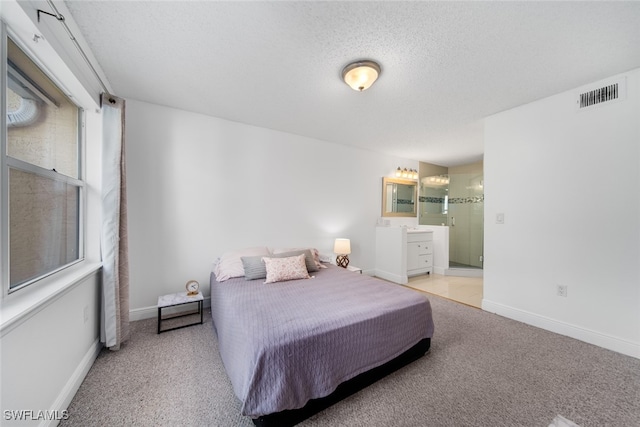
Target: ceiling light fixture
column 361, row 75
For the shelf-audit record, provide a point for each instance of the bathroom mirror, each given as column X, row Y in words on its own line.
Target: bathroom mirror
column 399, row 197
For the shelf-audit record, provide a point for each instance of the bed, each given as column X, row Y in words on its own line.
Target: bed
column 292, row 348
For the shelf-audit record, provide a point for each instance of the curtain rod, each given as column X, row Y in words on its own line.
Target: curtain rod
column 61, row 19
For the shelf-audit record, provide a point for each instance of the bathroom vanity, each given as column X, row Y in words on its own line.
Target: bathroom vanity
column 402, row 252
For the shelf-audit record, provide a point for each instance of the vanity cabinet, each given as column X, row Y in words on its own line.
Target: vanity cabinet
column 402, row 253
column 419, row 253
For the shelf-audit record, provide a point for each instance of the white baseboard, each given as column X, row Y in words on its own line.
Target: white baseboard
column 143, row 313
column 592, row 337
column 152, row 311
column 395, row 278
column 71, row 388
column 464, row 272
column 439, row 270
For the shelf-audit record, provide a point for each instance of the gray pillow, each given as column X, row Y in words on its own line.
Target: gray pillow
column 254, row 268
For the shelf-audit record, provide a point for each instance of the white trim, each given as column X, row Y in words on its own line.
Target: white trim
column 396, row 278
column 439, row 270
column 371, row 272
column 592, row 337
column 4, row 169
column 464, row 272
column 51, row 50
column 71, row 388
column 18, row 307
column 151, row 312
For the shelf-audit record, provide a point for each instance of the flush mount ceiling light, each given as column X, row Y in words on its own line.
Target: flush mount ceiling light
column 361, row 75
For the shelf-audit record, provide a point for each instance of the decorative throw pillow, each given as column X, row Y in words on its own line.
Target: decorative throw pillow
column 316, row 258
column 254, row 267
column 281, row 269
column 314, row 252
column 230, row 263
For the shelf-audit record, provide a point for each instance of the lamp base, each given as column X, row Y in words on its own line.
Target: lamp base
column 342, row 261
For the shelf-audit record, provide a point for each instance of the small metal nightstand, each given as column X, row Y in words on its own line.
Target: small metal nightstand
column 173, row 300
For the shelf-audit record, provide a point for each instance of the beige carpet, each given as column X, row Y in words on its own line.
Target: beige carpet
column 482, row 370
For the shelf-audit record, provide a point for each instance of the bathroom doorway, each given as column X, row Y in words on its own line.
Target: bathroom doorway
column 454, row 198
column 466, row 217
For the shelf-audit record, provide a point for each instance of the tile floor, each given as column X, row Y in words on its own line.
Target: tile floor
column 467, row 290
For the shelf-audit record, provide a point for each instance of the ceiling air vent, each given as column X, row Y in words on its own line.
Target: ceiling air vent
column 602, row 93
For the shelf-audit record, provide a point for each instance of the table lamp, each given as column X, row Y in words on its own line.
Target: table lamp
column 342, row 248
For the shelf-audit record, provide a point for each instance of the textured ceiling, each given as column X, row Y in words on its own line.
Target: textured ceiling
column 445, row 65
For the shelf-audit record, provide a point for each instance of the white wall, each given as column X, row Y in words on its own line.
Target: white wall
column 46, row 356
column 199, row 186
column 568, row 183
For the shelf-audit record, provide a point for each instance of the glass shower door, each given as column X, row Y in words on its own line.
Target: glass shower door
column 466, row 216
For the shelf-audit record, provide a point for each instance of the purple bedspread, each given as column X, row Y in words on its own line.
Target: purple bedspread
column 285, row 343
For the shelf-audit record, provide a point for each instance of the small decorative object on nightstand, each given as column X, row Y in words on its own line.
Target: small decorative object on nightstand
column 342, row 248
column 173, row 300
column 193, row 287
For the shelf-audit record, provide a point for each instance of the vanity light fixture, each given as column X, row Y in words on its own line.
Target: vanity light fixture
column 437, row 179
column 342, row 248
column 406, row 173
column 360, row 75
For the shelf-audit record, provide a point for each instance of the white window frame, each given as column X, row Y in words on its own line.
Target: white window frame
column 8, row 162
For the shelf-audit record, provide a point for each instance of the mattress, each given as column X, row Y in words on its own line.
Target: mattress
column 285, row 343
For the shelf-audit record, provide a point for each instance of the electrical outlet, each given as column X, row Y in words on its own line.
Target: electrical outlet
column 562, row 290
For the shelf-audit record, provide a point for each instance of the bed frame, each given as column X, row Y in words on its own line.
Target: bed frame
column 292, row 417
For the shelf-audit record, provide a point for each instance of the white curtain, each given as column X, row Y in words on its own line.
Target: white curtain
column 114, row 328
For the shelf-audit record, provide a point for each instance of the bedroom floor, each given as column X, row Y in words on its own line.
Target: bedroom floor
column 466, row 290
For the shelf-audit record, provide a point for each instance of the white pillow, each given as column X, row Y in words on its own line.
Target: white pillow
column 230, row 263
column 289, row 268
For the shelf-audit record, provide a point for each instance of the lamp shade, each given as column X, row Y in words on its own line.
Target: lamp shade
column 342, row 247
column 361, row 75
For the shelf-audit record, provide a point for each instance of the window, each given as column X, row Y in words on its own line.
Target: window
column 42, row 176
